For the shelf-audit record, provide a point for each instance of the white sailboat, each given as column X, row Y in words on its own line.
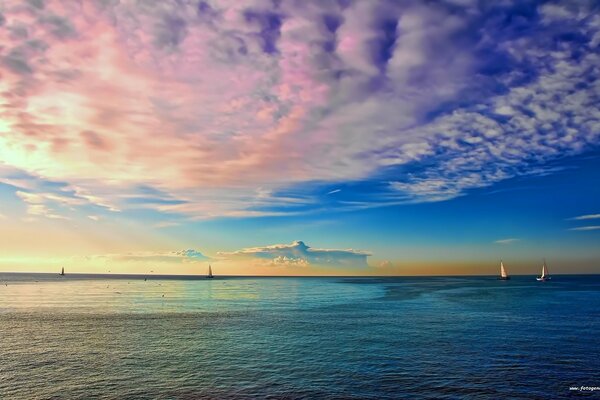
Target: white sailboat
column 62, row 272
column 210, row 275
column 545, row 276
column 503, row 274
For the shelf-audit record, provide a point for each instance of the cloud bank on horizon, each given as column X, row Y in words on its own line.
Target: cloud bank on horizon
column 227, row 108
column 295, row 257
column 299, row 254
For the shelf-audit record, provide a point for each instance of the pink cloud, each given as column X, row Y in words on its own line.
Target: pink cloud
column 123, row 95
column 110, row 96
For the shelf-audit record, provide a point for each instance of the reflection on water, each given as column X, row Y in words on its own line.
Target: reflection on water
column 332, row 338
column 76, row 294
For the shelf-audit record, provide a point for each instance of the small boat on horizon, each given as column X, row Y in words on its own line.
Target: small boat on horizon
column 503, row 274
column 62, row 271
column 545, row 276
column 210, row 274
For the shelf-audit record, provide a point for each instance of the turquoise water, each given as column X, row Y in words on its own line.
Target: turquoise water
column 80, row 337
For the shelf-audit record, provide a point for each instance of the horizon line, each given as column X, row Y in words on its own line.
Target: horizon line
column 277, row 276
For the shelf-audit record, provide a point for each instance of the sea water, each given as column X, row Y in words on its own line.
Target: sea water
column 109, row 337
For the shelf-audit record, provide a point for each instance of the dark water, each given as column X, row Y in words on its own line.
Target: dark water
column 313, row 338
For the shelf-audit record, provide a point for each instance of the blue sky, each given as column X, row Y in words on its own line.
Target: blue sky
column 268, row 137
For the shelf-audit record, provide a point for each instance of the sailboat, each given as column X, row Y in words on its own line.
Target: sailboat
column 545, row 276
column 503, row 275
column 62, row 272
column 210, row 275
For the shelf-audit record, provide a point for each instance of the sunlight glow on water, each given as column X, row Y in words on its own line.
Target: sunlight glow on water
column 72, row 294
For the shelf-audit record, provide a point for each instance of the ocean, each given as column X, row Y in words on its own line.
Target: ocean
column 123, row 337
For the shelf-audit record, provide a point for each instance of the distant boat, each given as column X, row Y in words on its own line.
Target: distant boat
column 545, row 276
column 62, row 272
column 210, row 275
column 503, row 275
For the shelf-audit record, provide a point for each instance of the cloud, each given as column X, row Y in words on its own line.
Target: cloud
column 54, row 199
column 37, row 204
column 299, row 254
column 334, row 191
column 205, row 102
column 172, row 257
column 515, row 133
column 506, row 241
column 586, row 228
column 585, row 217
column 192, row 254
column 17, row 62
column 94, row 141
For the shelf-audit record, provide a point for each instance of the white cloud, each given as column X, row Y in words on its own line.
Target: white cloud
column 298, row 253
column 538, row 125
column 586, row 228
column 36, row 204
column 193, row 254
column 287, row 261
column 584, row 217
column 506, row 241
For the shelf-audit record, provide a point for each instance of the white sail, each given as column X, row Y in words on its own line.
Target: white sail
column 545, row 276
column 503, row 273
column 544, row 270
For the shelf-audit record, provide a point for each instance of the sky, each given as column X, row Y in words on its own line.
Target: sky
column 287, row 137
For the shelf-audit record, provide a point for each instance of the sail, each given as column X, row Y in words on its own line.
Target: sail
column 503, row 273
column 210, row 271
column 544, row 270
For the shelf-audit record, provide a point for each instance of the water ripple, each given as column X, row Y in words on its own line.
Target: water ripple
column 297, row 338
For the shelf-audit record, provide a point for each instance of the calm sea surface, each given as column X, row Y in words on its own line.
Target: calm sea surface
column 86, row 337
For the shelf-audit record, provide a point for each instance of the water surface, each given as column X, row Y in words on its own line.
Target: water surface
column 79, row 337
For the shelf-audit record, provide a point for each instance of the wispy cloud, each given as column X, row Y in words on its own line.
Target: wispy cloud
column 37, row 204
column 585, row 217
column 181, row 256
column 506, row 241
column 586, row 228
column 334, row 191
